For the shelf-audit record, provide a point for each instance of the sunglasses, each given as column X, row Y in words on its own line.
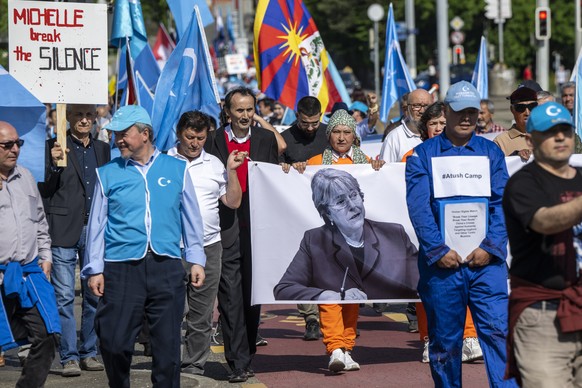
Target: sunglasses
column 9, row 144
column 522, row 107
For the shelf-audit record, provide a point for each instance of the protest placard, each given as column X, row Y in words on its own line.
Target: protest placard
column 58, row 51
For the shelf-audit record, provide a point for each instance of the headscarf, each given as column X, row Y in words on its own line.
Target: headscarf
column 342, row 117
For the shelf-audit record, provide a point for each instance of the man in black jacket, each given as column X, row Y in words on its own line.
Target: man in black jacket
column 239, row 320
column 67, row 193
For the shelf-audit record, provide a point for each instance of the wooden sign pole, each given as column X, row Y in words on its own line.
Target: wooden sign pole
column 62, row 132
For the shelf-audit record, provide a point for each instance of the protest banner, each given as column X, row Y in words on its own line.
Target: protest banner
column 282, row 210
column 58, row 51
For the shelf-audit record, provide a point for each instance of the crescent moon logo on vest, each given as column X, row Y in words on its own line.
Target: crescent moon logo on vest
column 553, row 111
column 164, row 182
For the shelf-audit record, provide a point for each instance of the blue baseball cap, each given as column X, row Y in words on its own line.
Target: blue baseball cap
column 547, row 116
column 359, row 105
column 126, row 116
column 463, row 95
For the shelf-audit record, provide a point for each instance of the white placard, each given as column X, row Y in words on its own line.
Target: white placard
column 464, row 225
column 461, row 175
column 235, row 64
column 58, row 51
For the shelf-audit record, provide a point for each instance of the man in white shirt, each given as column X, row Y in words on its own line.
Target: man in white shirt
column 406, row 136
column 212, row 183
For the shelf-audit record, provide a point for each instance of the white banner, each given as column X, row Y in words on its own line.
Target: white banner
column 58, row 51
column 282, row 210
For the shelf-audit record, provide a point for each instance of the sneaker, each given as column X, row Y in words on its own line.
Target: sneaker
column 311, row 331
column 413, row 326
column 249, row 372
column 337, row 361
column 238, row 376
column 261, row 341
column 350, row 363
column 71, row 369
column 91, row 364
column 471, row 350
column 2, row 361
column 216, row 339
column 425, row 358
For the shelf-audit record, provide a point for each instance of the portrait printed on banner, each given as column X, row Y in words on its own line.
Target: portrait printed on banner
column 349, row 257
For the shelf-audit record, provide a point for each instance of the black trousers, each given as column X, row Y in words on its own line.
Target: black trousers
column 154, row 285
column 27, row 323
column 239, row 320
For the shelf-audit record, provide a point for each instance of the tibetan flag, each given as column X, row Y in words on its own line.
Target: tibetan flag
column 290, row 57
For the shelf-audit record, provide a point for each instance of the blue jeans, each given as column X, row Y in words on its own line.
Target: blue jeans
column 63, row 279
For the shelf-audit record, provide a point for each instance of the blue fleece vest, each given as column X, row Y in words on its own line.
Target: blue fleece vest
column 129, row 194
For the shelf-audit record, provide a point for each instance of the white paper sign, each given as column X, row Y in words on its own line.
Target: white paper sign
column 461, row 175
column 464, row 225
column 58, row 51
column 235, row 64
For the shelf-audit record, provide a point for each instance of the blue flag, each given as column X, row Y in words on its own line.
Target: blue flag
column 339, row 82
column 182, row 12
column 397, row 79
column 28, row 115
column 480, row 79
column 128, row 22
column 578, row 102
column 187, row 83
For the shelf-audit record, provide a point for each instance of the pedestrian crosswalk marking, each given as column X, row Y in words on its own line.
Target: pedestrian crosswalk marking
column 217, row 349
column 396, row 317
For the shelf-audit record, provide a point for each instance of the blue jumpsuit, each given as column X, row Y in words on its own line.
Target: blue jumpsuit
column 447, row 292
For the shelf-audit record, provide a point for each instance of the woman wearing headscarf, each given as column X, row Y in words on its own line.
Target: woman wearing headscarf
column 336, row 251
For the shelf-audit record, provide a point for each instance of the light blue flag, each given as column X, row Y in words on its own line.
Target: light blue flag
column 187, row 83
column 128, row 22
column 480, row 79
column 397, row 79
column 145, row 96
column 578, row 102
column 338, row 81
column 28, row 115
column 182, row 11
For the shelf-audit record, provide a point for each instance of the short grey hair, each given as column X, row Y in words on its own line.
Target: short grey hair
column 545, row 95
column 142, row 127
column 326, row 183
column 567, row 85
column 490, row 105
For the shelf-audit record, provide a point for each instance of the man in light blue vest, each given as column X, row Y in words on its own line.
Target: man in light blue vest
column 143, row 205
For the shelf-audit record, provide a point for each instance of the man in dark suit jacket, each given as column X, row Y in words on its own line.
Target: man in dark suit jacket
column 389, row 269
column 239, row 320
column 67, row 193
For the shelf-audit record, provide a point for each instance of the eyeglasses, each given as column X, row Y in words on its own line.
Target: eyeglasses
column 418, row 106
column 9, row 144
column 341, row 202
column 522, row 107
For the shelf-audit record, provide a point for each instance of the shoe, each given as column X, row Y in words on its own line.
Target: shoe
column 238, row 376
column 261, row 341
column 91, row 364
column 71, row 369
column 337, row 361
column 249, row 372
column 413, row 326
column 311, row 331
column 471, row 350
column 216, row 339
column 147, row 349
column 350, row 363
column 425, row 358
column 2, row 361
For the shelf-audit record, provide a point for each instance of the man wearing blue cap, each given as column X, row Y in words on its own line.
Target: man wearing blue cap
column 365, row 117
column 454, row 188
column 144, row 203
column 543, row 212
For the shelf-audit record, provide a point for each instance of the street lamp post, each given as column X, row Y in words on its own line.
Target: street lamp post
column 376, row 13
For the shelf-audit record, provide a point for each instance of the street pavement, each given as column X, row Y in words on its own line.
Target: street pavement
column 388, row 354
